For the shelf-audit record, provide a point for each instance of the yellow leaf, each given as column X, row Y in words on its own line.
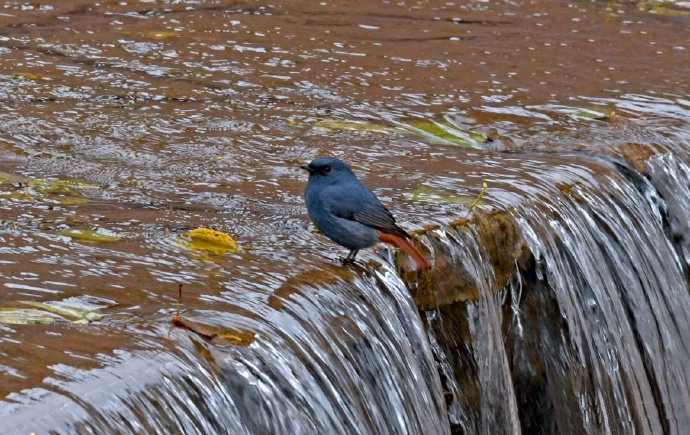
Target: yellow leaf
column 206, row 239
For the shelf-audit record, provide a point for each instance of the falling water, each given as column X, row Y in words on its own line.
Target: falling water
column 348, row 353
column 589, row 336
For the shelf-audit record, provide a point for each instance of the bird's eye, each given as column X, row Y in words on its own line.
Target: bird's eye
column 326, row 169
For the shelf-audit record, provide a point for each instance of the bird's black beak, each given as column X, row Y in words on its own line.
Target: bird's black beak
column 307, row 168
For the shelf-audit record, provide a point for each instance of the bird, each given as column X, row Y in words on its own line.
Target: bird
column 349, row 213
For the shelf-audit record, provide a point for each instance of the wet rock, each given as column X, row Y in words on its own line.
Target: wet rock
column 449, row 281
column 313, row 279
column 664, row 170
column 637, row 154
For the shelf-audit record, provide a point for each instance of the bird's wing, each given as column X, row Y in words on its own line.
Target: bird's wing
column 357, row 203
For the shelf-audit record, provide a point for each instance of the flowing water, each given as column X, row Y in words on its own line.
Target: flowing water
column 561, row 299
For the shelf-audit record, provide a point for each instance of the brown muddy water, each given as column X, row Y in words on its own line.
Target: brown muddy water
column 142, row 120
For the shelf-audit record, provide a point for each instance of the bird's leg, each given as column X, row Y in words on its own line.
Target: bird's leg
column 351, row 256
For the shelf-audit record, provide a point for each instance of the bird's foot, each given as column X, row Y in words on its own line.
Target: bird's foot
column 350, row 258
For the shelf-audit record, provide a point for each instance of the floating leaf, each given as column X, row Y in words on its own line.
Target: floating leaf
column 444, row 131
column 206, row 239
column 434, row 195
column 91, row 236
column 352, row 125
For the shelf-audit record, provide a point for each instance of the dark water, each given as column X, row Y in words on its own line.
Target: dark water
column 142, row 120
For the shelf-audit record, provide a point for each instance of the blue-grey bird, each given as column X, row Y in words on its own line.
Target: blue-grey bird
column 350, row 214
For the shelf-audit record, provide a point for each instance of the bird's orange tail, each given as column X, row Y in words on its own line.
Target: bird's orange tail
column 416, row 254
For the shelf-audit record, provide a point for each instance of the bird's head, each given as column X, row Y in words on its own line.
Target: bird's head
column 328, row 170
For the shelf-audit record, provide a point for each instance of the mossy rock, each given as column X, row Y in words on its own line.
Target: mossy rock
column 448, row 281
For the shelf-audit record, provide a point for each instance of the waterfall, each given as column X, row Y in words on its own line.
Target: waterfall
column 333, row 351
column 589, row 332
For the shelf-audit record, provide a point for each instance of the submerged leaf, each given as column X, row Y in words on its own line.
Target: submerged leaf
column 27, row 316
column 440, row 130
column 444, row 131
column 215, row 334
column 162, row 34
column 352, row 125
column 32, row 76
column 595, row 113
column 56, row 186
column 664, row 7
column 66, row 310
column 206, row 239
column 591, row 114
column 73, row 309
column 63, row 191
column 91, row 236
column 434, row 195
